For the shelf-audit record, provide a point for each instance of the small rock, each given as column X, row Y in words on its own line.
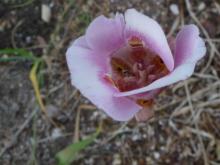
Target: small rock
column 28, row 39
column 90, row 2
column 144, row 136
column 14, row 107
column 136, row 137
column 201, row 6
column 89, row 161
column 56, row 133
column 118, row 143
column 117, row 160
column 45, row 13
column 52, row 111
column 156, row 155
column 174, row 9
column 134, row 162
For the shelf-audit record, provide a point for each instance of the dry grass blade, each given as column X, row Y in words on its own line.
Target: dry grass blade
column 195, row 95
column 77, row 122
column 21, row 128
column 200, row 105
column 115, row 133
column 193, row 16
column 217, row 5
column 13, row 33
column 35, row 84
column 33, row 78
column 174, row 27
column 189, row 99
column 212, row 54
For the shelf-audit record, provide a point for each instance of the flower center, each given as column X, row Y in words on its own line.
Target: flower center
column 135, row 66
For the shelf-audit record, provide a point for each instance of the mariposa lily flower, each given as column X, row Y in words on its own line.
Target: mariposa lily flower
column 122, row 63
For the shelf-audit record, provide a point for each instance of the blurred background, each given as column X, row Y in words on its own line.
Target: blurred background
column 45, row 121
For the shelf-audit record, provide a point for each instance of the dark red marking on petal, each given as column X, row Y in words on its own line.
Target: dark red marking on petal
column 135, row 66
column 109, row 80
column 126, row 85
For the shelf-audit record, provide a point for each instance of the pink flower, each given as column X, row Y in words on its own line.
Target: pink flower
column 121, row 64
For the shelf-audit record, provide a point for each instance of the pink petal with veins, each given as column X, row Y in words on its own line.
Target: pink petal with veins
column 87, row 76
column 116, row 43
column 189, row 49
column 152, row 34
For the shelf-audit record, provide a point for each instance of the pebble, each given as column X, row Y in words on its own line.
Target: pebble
column 28, row 39
column 174, row 9
column 136, row 137
column 45, row 13
column 52, row 111
column 134, row 162
column 117, row 160
column 201, row 6
column 56, row 133
column 156, row 155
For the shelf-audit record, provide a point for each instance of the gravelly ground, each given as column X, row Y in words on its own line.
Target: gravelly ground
column 175, row 135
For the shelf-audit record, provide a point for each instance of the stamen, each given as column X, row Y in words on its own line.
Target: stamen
column 126, row 84
column 140, row 65
column 109, row 80
column 121, row 67
column 135, row 66
column 151, row 77
column 145, row 103
column 135, row 42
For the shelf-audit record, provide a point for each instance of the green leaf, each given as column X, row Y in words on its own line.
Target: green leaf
column 69, row 154
column 25, row 3
column 17, row 54
column 11, row 59
column 35, row 84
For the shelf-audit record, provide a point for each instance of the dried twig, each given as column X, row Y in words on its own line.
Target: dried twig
column 193, row 16
column 77, row 122
column 16, row 135
column 13, row 33
column 212, row 40
column 196, row 94
column 200, row 105
column 174, row 27
column 189, row 99
column 217, row 5
column 206, row 161
column 116, row 133
column 211, row 57
column 50, row 138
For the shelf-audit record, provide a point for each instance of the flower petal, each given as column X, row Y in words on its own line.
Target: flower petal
column 105, row 34
column 147, row 95
column 180, row 73
column 186, row 56
column 153, row 35
column 86, row 75
column 144, row 114
column 81, row 41
column 189, row 46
